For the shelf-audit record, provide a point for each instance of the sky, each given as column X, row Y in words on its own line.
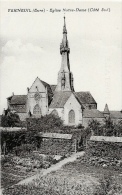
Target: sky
column 30, row 47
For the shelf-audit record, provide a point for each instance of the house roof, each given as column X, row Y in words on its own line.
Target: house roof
column 92, row 113
column 85, row 97
column 55, row 135
column 60, row 98
column 116, row 114
column 18, row 99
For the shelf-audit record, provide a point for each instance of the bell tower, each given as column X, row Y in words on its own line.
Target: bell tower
column 65, row 76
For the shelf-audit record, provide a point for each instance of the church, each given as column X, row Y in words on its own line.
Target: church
column 74, row 108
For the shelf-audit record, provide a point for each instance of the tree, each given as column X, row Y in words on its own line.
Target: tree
column 95, row 126
column 108, row 127
column 118, row 129
column 10, row 119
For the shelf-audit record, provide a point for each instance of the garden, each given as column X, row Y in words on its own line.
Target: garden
column 16, row 168
column 74, row 178
column 85, row 176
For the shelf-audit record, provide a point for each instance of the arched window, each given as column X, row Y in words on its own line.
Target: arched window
column 54, row 112
column 37, row 109
column 71, row 117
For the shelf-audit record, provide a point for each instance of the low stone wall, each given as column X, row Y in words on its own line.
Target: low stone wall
column 57, row 146
column 54, row 146
column 104, row 149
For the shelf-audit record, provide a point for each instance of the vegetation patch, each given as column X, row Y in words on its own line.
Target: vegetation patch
column 76, row 178
column 16, row 168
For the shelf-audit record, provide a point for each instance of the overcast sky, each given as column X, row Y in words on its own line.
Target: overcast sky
column 30, row 45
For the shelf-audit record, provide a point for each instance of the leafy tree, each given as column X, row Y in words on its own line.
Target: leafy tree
column 108, row 127
column 95, row 127
column 10, row 119
column 118, row 129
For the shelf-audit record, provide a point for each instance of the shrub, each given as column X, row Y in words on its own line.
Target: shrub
column 23, row 149
column 10, row 120
column 106, row 129
column 12, row 139
column 45, row 123
column 108, row 186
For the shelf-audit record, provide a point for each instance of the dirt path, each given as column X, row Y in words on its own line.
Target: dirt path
column 52, row 168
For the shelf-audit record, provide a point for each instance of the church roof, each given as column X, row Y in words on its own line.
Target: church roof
column 60, row 98
column 116, row 114
column 47, row 85
column 85, row 97
column 92, row 113
column 18, row 99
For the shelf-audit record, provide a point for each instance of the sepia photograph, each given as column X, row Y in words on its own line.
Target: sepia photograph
column 61, row 97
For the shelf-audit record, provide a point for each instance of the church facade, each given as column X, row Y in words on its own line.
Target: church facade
column 72, row 107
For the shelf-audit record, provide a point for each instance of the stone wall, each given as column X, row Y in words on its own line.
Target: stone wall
column 104, row 149
column 57, row 146
column 54, row 146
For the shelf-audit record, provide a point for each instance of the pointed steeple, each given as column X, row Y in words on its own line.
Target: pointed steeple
column 64, row 27
column 65, row 77
column 106, row 110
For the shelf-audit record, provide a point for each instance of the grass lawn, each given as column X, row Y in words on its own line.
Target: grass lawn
column 74, row 178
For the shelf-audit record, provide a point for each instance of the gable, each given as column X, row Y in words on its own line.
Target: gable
column 38, row 85
column 72, row 101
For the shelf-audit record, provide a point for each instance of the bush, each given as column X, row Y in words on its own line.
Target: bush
column 106, row 129
column 45, row 123
column 12, row 139
column 108, row 186
column 23, row 149
column 10, row 120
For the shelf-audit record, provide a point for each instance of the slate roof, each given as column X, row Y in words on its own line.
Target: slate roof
column 48, row 86
column 116, row 114
column 18, row 99
column 92, row 113
column 85, row 97
column 60, row 98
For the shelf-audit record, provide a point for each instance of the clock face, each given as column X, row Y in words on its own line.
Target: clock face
column 37, row 96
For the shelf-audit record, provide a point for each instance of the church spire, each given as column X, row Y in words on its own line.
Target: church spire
column 65, row 77
column 64, row 27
